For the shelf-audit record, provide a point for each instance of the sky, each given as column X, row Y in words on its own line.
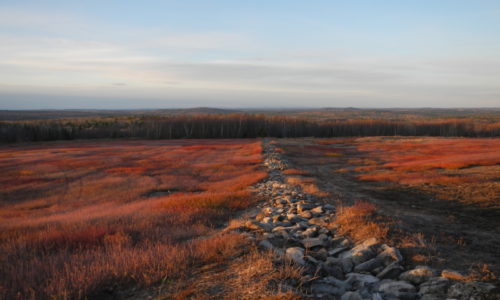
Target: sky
column 249, row 54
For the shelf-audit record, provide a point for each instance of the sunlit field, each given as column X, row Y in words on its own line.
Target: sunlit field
column 466, row 170
column 82, row 219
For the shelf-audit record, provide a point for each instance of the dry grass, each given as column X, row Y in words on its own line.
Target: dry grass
column 307, row 184
column 256, row 275
column 82, row 219
column 360, row 222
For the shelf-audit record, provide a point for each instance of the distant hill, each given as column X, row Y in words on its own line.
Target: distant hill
column 327, row 113
column 46, row 114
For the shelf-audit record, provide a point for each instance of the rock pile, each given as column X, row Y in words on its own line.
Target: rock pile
column 295, row 225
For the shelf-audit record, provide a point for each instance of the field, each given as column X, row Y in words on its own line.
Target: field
column 436, row 198
column 93, row 219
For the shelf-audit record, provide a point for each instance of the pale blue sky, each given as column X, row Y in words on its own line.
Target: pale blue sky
column 160, row 54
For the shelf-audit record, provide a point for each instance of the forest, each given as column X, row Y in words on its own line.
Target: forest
column 235, row 126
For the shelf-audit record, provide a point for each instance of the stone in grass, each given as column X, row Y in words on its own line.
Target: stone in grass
column 296, row 254
column 418, row 275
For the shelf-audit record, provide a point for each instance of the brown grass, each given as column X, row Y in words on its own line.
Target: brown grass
column 256, row 275
column 307, row 184
column 360, row 222
column 82, row 219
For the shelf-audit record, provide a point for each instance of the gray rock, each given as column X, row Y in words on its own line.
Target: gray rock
column 390, row 255
column 266, row 245
column 361, row 252
column 337, row 250
column 368, row 265
column 399, row 289
column 435, row 285
column 296, row 254
column 392, row 271
column 351, row 296
column 329, row 207
column 360, row 280
column 324, row 288
column 312, row 242
column 330, row 270
column 338, row 283
column 418, row 275
column 473, row 291
column 432, row 297
column 377, row 296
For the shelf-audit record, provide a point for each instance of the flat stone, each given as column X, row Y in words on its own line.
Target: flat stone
column 296, row 254
column 392, row 271
column 418, row 275
column 399, row 289
column 368, row 265
column 312, row 242
column 338, row 250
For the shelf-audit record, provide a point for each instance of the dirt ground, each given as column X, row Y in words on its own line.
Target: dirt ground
column 428, row 229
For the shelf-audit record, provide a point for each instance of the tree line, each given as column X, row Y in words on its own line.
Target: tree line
column 235, row 126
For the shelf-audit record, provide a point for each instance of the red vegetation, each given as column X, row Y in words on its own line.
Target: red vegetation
column 468, row 168
column 81, row 218
column 427, row 160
